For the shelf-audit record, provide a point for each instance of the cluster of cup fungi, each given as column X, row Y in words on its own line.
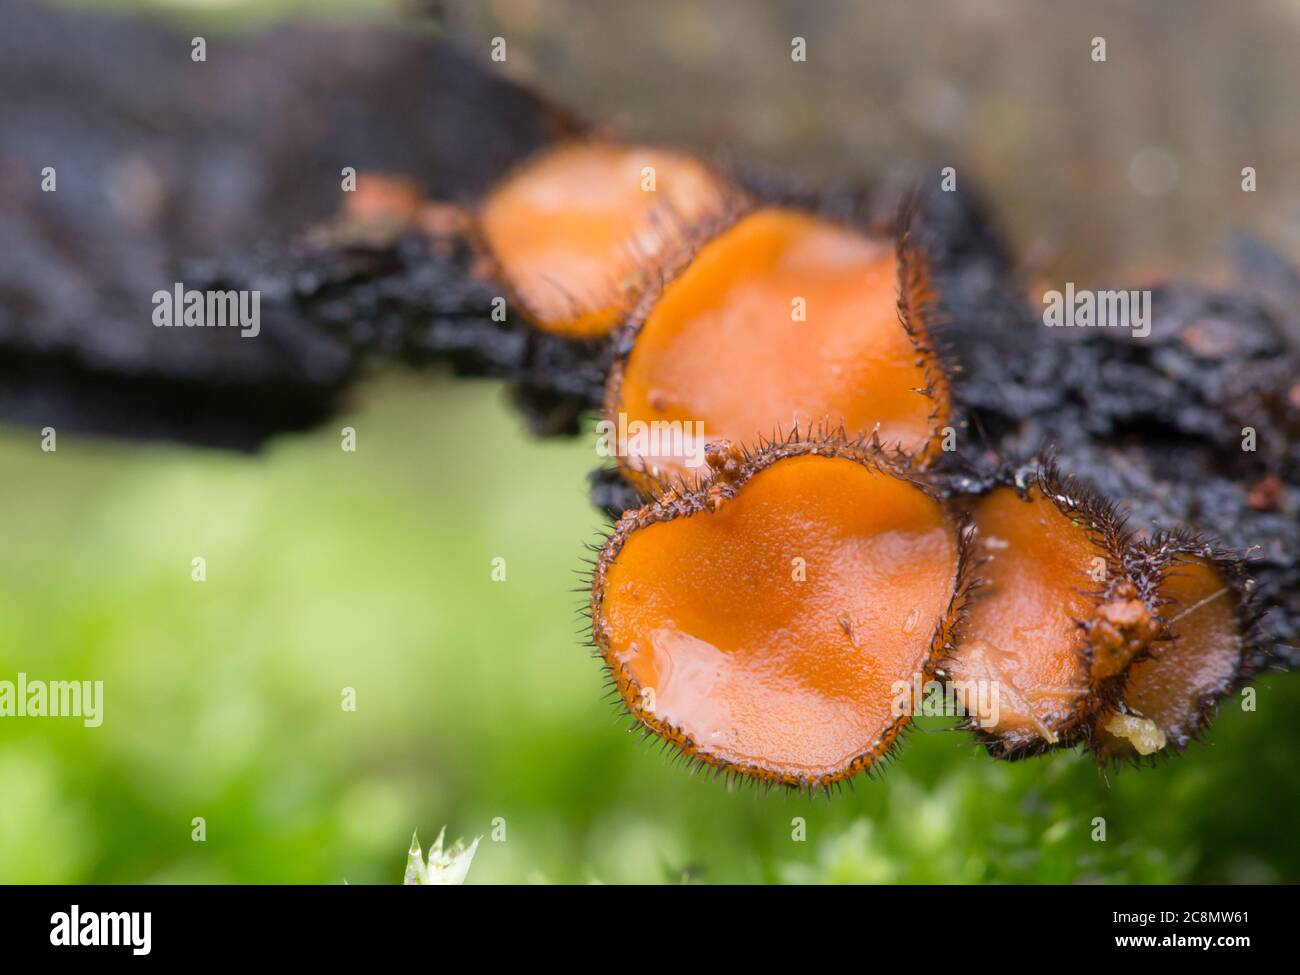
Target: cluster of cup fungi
column 762, row 607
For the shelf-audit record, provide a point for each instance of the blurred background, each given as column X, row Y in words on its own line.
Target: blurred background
column 478, row 699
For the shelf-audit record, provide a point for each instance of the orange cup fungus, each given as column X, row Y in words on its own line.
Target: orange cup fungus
column 1170, row 694
column 1055, row 620
column 784, row 321
column 764, row 622
column 573, row 231
column 771, row 608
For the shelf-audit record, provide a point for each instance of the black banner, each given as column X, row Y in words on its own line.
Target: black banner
column 331, row 924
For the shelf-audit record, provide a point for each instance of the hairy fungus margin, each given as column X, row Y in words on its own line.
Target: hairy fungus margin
column 784, row 319
column 762, row 622
column 1061, row 612
column 1206, row 651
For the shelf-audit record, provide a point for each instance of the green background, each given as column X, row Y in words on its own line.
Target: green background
column 478, row 700
column 475, row 699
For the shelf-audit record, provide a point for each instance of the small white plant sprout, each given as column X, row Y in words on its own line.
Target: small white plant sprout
column 443, row 868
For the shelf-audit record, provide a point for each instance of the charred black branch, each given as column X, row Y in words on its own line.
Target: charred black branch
column 211, row 175
column 159, row 161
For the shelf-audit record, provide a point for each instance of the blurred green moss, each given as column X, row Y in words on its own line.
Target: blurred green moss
column 478, row 705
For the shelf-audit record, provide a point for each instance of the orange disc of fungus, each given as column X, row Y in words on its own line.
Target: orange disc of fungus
column 1170, row 694
column 1054, row 621
column 572, row 231
column 765, row 623
column 785, row 320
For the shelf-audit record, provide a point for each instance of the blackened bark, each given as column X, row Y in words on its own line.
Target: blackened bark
column 210, row 174
column 160, row 160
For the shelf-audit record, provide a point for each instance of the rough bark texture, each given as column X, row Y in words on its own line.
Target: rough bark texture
column 160, row 160
column 210, row 174
column 1155, row 424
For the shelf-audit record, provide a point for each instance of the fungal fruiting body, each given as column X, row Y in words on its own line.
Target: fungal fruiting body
column 777, row 608
column 763, row 622
column 783, row 320
column 1170, row 693
column 572, row 232
column 1054, row 622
